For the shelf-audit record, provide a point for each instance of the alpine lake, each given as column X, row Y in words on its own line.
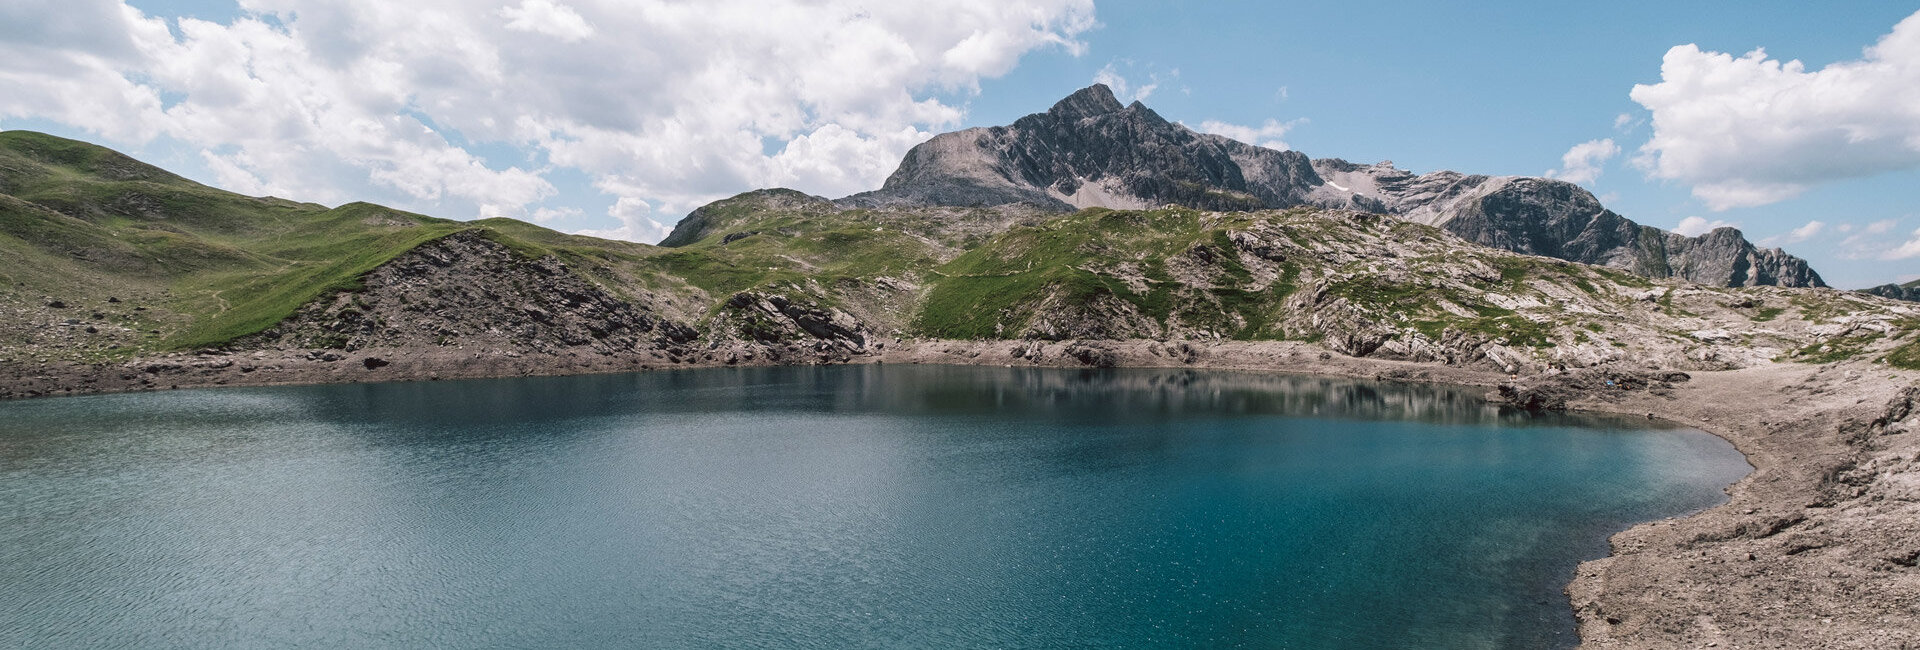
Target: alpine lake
column 822, row 507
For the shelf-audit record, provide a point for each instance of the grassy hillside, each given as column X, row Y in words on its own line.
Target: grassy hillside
column 1372, row 285
column 1231, row 275
column 1079, row 260
column 97, row 232
column 171, row 264
column 105, row 256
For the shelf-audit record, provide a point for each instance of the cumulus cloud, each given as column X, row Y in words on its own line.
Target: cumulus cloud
column 1752, row 130
column 636, row 222
column 470, row 107
column 1585, row 161
column 546, row 17
column 1268, row 134
column 1697, row 226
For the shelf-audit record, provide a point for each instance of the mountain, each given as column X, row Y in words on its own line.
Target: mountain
column 119, row 276
column 105, row 256
column 1909, row 292
column 1089, row 150
column 117, row 267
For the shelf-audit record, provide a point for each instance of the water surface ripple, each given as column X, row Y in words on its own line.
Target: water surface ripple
column 836, row 507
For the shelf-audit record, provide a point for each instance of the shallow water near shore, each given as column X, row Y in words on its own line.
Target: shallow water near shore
column 821, row 507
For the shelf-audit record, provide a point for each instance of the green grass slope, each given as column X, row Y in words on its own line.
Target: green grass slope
column 82, row 224
column 1078, row 259
column 1371, row 284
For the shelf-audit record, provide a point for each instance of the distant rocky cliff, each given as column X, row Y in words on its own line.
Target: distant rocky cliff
column 1089, row 150
column 1541, row 216
column 1909, row 292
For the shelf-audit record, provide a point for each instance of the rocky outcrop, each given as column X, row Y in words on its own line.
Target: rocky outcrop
column 770, row 318
column 1089, row 150
column 465, row 290
column 1541, row 216
column 1909, row 292
column 1552, row 392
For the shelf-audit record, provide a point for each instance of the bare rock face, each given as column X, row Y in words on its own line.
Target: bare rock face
column 1087, row 151
column 1909, row 292
column 1541, row 216
column 1091, row 151
column 469, row 291
column 769, row 318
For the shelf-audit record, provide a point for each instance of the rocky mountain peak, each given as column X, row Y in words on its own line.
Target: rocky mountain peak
column 1091, row 101
column 1089, row 150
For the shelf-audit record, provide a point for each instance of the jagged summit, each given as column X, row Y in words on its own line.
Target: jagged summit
column 1089, row 150
column 1091, row 101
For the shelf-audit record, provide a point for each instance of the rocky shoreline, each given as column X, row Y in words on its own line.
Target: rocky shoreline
column 1817, row 547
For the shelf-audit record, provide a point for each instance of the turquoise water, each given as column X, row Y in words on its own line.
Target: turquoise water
column 837, row 507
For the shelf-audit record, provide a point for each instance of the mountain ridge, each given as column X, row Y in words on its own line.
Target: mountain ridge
column 781, row 276
column 1089, row 150
column 1909, row 292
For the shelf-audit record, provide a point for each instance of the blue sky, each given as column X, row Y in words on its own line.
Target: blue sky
column 1493, row 88
column 618, row 117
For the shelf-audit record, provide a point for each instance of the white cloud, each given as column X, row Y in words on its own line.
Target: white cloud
column 1797, row 235
column 1125, row 89
column 1584, row 162
column 635, row 223
column 1867, row 233
column 1908, row 250
column 1749, row 130
column 546, row 17
column 1697, row 226
column 1805, row 232
column 546, row 215
column 467, row 107
column 1268, row 134
column 233, row 177
column 1872, row 242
